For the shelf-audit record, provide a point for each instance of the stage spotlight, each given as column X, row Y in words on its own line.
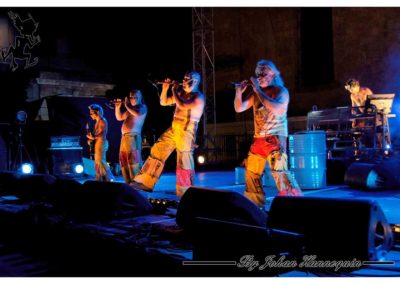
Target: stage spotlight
column 27, row 168
column 386, row 151
column 201, row 159
column 22, row 161
column 21, row 117
column 78, row 168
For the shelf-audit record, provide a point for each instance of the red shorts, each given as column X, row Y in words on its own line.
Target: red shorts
column 264, row 146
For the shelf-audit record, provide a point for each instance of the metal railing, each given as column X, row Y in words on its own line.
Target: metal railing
column 224, row 148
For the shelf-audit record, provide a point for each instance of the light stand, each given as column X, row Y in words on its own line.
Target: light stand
column 21, row 154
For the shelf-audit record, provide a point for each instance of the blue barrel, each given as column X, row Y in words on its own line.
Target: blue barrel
column 307, row 157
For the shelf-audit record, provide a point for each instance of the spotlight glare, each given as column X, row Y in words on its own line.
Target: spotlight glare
column 27, row 168
column 22, row 116
column 78, row 169
column 201, row 159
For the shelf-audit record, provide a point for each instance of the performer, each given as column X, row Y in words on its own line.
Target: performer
column 189, row 106
column 358, row 96
column 269, row 100
column 130, row 151
column 99, row 136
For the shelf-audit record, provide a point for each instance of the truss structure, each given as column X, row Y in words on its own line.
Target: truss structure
column 203, row 61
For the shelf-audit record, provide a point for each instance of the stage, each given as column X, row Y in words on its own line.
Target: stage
column 41, row 240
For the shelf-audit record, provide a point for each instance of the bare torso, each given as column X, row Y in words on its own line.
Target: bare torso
column 133, row 123
column 100, row 129
column 359, row 99
column 193, row 113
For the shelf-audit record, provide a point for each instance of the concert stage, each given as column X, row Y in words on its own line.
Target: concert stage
column 46, row 236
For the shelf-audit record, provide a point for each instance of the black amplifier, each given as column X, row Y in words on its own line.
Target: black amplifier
column 63, row 160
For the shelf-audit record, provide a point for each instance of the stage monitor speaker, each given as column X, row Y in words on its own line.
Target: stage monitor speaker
column 66, row 195
column 217, row 204
column 364, row 176
column 216, row 240
column 111, row 200
column 387, row 170
column 334, row 229
column 64, row 159
column 27, row 187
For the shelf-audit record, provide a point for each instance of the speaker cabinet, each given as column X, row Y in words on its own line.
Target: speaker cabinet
column 26, row 187
column 221, row 241
column 110, row 200
column 63, row 160
column 379, row 176
column 217, row 204
column 364, row 176
column 387, row 170
column 334, row 229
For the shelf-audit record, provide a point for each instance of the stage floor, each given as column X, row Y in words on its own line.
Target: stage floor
column 62, row 248
column 389, row 200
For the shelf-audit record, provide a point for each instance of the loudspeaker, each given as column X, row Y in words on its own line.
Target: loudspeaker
column 216, row 240
column 217, row 204
column 63, row 160
column 364, row 176
column 334, row 229
column 110, row 200
column 387, row 170
column 66, row 196
column 26, row 187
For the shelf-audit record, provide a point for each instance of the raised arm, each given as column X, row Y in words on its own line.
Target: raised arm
column 164, row 99
column 240, row 104
column 196, row 100
column 118, row 114
column 137, row 110
column 277, row 99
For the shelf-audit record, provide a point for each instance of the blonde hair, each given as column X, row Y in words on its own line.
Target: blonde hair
column 97, row 108
column 351, row 83
column 278, row 81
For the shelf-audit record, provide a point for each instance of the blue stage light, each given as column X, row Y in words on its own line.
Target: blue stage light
column 78, row 168
column 27, row 168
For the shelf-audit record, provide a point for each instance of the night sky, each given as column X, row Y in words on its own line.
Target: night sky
column 124, row 41
column 126, row 46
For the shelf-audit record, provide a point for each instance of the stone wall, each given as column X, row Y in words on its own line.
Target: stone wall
column 245, row 35
column 57, row 84
column 366, row 45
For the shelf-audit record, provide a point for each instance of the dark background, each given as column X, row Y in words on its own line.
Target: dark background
column 122, row 46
